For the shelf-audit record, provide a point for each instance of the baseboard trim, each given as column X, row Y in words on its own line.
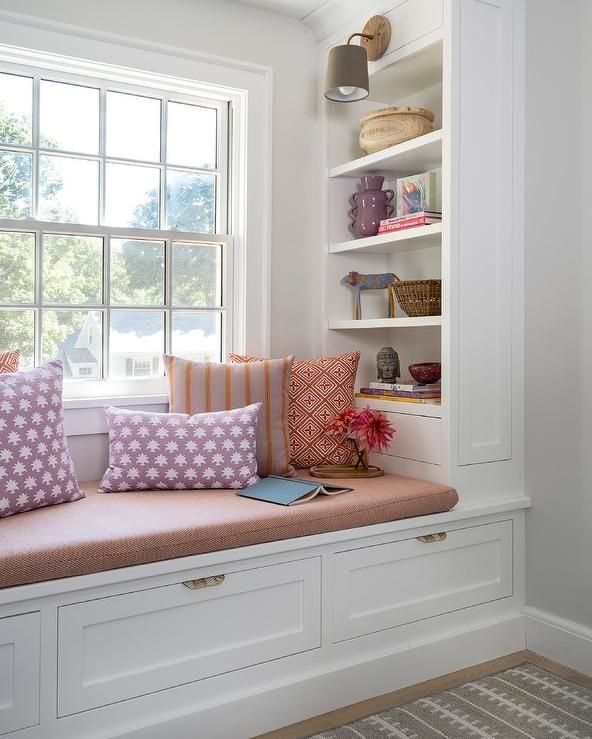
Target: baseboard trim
column 310, row 695
column 559, row 639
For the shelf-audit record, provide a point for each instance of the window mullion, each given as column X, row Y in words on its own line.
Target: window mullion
column 106, row 312
column 37, row 297
column 168, row 296
column 222, row 159
column 163, row 214
column 35, row 142
column 102, row 152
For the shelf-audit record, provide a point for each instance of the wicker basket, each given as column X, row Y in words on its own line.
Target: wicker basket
column 419, row 297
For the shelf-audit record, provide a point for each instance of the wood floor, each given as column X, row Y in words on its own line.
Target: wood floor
column 421, row 690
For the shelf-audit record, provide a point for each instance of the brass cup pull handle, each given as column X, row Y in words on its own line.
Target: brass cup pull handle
column 204, row 582
column 431, row 538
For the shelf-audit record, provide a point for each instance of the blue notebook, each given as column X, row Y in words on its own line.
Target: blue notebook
column 289, row 490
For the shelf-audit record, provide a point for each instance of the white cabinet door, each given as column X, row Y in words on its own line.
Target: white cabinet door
column 116, row 648
column 19, row 671
column 485, row 302
column 393, row 584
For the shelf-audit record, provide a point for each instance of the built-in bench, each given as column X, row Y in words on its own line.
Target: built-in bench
column 185, row 613
column 108, row 531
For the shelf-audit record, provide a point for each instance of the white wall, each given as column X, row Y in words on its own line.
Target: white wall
column 236, row 31
column 558, row 307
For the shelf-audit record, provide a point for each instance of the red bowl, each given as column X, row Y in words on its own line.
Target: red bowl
column 426, row 373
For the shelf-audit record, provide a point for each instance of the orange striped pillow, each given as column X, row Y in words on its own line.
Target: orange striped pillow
column 199, row 387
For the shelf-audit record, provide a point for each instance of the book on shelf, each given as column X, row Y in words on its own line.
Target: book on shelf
column 399, row 399
column 289, row 490
column 408, row 385
column 409, row 223
column 411, row 216
column 436, row 393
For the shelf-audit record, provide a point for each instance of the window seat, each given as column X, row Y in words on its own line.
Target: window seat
column 108, row 531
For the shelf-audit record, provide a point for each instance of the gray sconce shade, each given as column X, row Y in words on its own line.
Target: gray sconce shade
column 347, row 74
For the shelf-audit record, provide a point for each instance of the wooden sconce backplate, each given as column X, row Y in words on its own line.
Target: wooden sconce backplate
column 379, row 27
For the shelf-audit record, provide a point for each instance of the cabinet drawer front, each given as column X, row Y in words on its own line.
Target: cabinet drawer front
column 393, row 584
column 19, row 671
column 123, row 646
column 418, row 438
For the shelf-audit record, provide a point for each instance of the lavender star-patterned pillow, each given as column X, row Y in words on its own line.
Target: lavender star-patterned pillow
column 36, row 469
column 175, row 451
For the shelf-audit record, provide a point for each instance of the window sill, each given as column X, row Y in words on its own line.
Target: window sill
column 86, row 416
column 123, row 401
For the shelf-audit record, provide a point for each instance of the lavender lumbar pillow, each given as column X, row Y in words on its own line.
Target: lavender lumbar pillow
column 36, row 469
column 175, row 451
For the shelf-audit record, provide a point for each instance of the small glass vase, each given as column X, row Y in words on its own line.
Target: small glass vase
column 359, row 455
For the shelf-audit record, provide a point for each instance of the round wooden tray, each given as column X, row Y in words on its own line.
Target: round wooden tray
column 344, row 470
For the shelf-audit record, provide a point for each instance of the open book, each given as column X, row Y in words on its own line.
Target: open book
column 289, row 490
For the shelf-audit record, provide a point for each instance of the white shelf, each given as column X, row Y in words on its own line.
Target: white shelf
column 431, row 410
column 364, row 323
column 410, row 157
column 409, row 239
column 407, row 73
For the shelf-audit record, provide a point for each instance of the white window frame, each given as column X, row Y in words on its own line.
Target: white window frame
column 84, row 388
column 57, row 46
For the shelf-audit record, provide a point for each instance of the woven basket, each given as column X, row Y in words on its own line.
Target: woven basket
column 419, row 297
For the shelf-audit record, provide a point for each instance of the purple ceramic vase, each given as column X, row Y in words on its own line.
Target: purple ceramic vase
column 371, row 205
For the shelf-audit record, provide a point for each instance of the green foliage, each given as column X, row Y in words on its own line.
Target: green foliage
column 14, row 130
column 191, row 207
column 72, row 269
column 17, row 332
column 137, row 272
column 15, row 184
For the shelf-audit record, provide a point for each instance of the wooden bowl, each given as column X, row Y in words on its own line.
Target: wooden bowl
column 389, row 126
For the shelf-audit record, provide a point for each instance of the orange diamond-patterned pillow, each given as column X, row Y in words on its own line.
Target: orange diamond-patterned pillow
column 9, row 361
column 319, row 390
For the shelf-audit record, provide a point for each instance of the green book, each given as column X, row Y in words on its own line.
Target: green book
column 289, row 490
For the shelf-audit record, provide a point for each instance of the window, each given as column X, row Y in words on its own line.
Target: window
column 142, row 367
column 113, row 226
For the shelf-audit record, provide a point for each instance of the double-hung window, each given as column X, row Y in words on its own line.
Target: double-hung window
column 114, row 243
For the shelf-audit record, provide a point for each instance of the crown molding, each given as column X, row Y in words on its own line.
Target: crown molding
column 108, row 37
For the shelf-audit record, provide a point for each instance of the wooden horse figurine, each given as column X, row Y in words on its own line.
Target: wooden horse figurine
column 360, row 282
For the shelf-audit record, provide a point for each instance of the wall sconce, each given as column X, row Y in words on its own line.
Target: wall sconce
column 347, row 66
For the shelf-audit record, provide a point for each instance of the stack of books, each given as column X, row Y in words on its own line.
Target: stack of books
column 422, row 218
column 405, row 392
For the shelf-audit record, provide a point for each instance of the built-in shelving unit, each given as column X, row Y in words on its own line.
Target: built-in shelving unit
column 456, row 58
column 418, row 155
column 409, row 239
column 429, row 410
column 413, row 78
column 405, row 322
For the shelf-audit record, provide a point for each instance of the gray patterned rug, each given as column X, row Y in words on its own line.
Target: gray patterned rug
column 523, row 702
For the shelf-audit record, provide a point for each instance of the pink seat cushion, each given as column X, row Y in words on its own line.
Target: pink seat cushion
column 104, row 532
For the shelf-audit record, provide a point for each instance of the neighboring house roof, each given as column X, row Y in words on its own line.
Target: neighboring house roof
column 81, row 356
column 70, row 354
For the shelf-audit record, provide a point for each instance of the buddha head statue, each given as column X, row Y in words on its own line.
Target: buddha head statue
column 388, row 367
